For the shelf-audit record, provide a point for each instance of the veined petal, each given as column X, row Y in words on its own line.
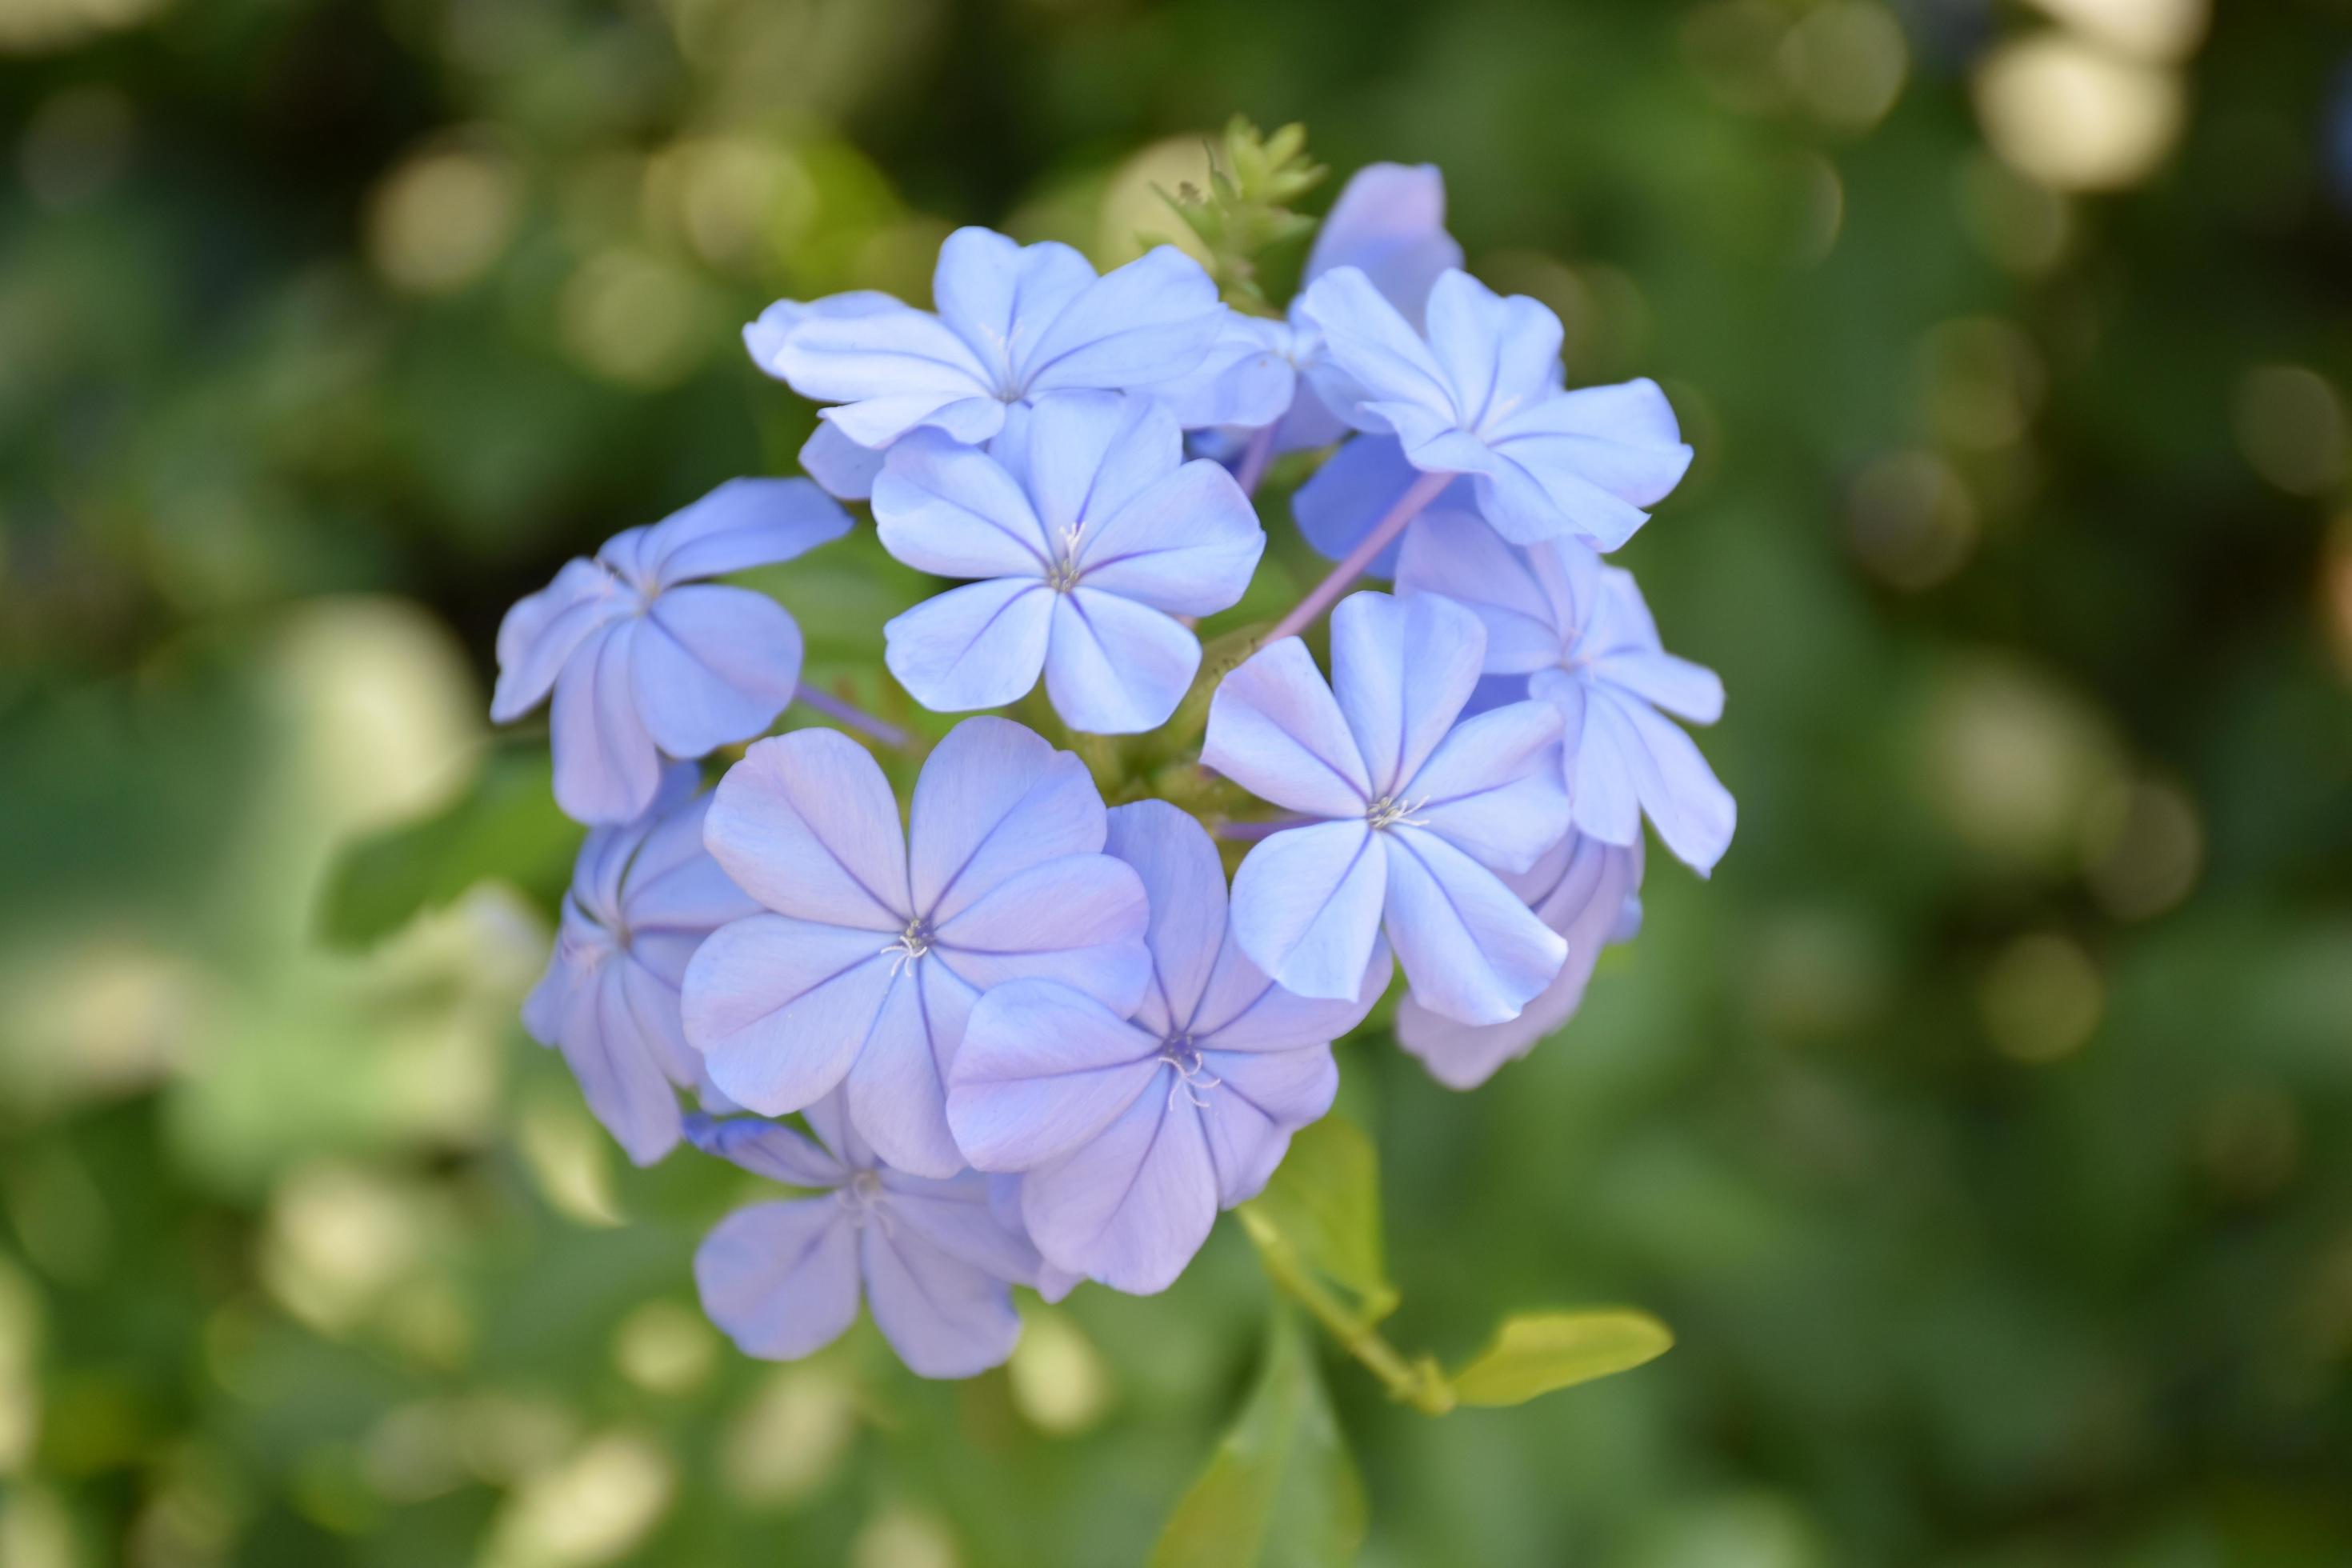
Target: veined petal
column 543, row 630
column 1131, row 1206
column 1694, row 813
column 845, row 470
column 1275, row 730
column 717, row 664
column 952, row 511
column 1375, row 347
column 768, row 1149
column 944, row 1317
column 606, row 767
column 1492, row 790
column 896, row 1089
column 1043, row 1070
column 1690, row 690
column 999, row 294
column 1150, row 320
column 980, row 646
column 1085, row 455
column 1623, row 439
column 618, row 1067
column 742, row 523
column 1113, row 666
column 780, row 1008
column 1247, row 380
column 781, row 1278
column 1390, row 223
column 962, row 1216
column 1242, row 1010
column 996, row 798
column 1400, row 670
column 1354, row 490
column 1306, row 906
column 1471, row 950
column 1467, row 324
column 1079, row 920
column 1456, row 555
column 1259, row 1099
column 892, row 370
column 1187, row 544
column 807, row 824
column 1185, row 887
column 1584, row 906
column 764, row 337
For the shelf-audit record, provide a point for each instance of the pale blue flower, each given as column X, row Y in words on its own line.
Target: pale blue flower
column 1481, row 394
column 1577, row 628
column 878, row 941
column 648, row 662
column 1134, row 1133
column 931, row 1257
column 1090, row 535
column 643, row 897
column 1389, row 223
column 1014, row 324
column 1354, row 489
column 843, row 467
column 1415, row 812
column 1586, row 890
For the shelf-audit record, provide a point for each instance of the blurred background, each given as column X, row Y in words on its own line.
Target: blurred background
column 1984, row 1130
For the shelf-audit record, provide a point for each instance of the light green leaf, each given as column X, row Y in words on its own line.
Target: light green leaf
column 1320, row 1216
column 507, row 826
column 1281, row 1491
column 1536, row 1352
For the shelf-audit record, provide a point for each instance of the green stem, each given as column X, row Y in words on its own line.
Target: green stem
column 1421, row 1384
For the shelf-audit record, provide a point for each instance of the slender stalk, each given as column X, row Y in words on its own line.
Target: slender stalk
column 1421, row 1384
column 833, row 708
column 1254, row 459
column 1409, row 506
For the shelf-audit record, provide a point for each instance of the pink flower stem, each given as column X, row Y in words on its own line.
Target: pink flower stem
column 1254, row 459
column 1409, row 506
column 833, row 708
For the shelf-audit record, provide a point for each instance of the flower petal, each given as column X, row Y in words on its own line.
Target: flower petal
column 1493, row 788
column 896, row 1089
column 1130, row 1206
column 891, row 371
column 717, row 663
column 807, row 824
column 944, row 1317
column 1085, row 456
column 962, row 1216
column 1242, row 1010
column 606, row 767
column 845, row 470
column 541, row 631
column 607, row 1047
column 1694, row 813
column 768, row 1149
column 1184, row 885
column 780, row 1008
column 1401, row 669
column 1079, row 920
column 1375, row 347
column 1113, row 666
column 980, row 646
column 996, row 292
column 1150, row 321
column 1259, row 1099
column 954, row 511
column 1306, row 906
column 781, row 1278
column 1456, row 555
column 1275, row 730
column 1390, row 223
column 1187, row 544
column 994, row 798
column 1042, row 1069
column 1246, row 381
column 742, row 523
column 1353, row 490
column 1471, row 950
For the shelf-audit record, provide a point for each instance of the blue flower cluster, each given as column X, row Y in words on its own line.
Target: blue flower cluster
column 1034, row 1040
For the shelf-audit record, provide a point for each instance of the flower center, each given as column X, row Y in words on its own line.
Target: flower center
column 862, row 1196
column 1392, row 811
column 1063, row 574
column 911, row 945
column 1193, row 1079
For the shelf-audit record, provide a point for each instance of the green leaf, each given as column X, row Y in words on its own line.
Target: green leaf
column 1321, row 1216
column 506, row 827
column 1536, row 1352
column 1281, row 1491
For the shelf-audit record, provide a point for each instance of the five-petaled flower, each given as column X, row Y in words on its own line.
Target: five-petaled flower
column 1015, row 324
column 1577, row 628
column 931, row 1257
column 1416, row 813
column 1091, row 534
column 1481, row 395
column 643, row 898
column 1134, row 1133
column 877, row 942
column 645, row 661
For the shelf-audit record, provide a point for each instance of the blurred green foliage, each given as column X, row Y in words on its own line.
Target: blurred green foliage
column 1980, row 1130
